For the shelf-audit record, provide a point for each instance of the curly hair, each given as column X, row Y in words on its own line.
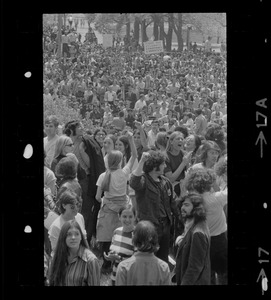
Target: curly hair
column 67, row 197
column 221, row 167
column 199, row 210
column 66, row 168
column 200, row 180
column 145, row 237
column 214, row 132
column 155, row 159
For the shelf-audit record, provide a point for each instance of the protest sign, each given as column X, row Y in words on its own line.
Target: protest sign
column 152, row 47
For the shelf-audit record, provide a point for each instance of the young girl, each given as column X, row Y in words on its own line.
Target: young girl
column 73, row 263
column 121, row 245
column 113, row 183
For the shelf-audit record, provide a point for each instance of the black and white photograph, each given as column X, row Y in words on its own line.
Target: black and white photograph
column 135, row 128
column 131, row 126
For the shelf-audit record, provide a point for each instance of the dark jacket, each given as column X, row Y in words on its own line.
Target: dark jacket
column 96, row 160
column 148, row 198
column 193, row 257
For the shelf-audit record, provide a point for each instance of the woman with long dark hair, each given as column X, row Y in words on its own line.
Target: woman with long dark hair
column 73, row 263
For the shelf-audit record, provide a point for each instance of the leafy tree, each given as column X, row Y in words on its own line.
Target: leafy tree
column 61, row 109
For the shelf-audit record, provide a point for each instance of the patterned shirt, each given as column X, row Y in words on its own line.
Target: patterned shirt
column 83, row 270
column 123, row 246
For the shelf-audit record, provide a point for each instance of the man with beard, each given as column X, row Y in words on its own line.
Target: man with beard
column 193, row 254
column 203, row 182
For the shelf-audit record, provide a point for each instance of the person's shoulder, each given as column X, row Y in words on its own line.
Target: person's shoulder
column 88, row 255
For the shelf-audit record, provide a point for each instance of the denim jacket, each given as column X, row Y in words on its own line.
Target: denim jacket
column 148, row 198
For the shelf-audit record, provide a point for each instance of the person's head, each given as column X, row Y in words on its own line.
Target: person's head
column 70, row 238
column 161, row 141
column 122, row 144
column 145, row 238
column 155, row 163
column 63, row 146
column 73, row 128
column 68, row 203
column 175, row 141
column 192, row 207
column 51, row 125
column 200, row 181
column 155, row 126
column 214, row 132
column 114, row 159
column 209, row 153
column 121, row 114
column 99, row 135
column 198, row 111
column 192, row 143
column 127, row 216
column 72, row 185
column 221, row 167
column 109, row 142
column 66, row 168
column 183, row 130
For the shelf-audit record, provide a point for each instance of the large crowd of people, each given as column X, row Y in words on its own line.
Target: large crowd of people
column 140, row 178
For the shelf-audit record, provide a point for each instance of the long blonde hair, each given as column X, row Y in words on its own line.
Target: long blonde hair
column 114, row 160
column 171, row 138
column 61, row 142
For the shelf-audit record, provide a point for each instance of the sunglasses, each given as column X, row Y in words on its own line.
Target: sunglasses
column 70, row 145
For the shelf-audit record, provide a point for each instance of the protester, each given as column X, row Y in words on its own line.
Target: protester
column 121, row 246
column 113, row 183
column 51, row 130
column 143, row 268
column 68, row 204
column 73, row 263
column 91, row 85
column 203, row 181
column 193, row 255
column 154, row 197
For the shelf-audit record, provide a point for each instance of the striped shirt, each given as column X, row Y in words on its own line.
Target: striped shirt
column 83, row 270
column 122, row 245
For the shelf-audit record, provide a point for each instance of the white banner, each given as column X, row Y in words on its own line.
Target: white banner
column 152, row 47
column 107, row 40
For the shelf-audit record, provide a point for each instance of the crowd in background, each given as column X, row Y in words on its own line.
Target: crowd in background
column 130, row 104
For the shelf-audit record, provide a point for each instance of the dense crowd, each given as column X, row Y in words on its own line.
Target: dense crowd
column 140, row 178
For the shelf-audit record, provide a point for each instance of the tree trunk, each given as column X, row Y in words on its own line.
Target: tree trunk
column 136, row 29
column 59, row 50
column 155, row 28
column 188, row 38
column 162, row 32
column 128, row 30
column 144, row 36
column 169, row 33
column 179, row 32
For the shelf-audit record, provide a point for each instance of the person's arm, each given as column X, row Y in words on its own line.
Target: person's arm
column 93, row 272
column 143, row 137
column 139, row 170
column 133, row 150
column 172, row 176
column 98, row 195
column 84, row 154
column 197, row 125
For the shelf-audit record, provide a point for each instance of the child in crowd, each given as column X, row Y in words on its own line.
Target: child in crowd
column 122, row 246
